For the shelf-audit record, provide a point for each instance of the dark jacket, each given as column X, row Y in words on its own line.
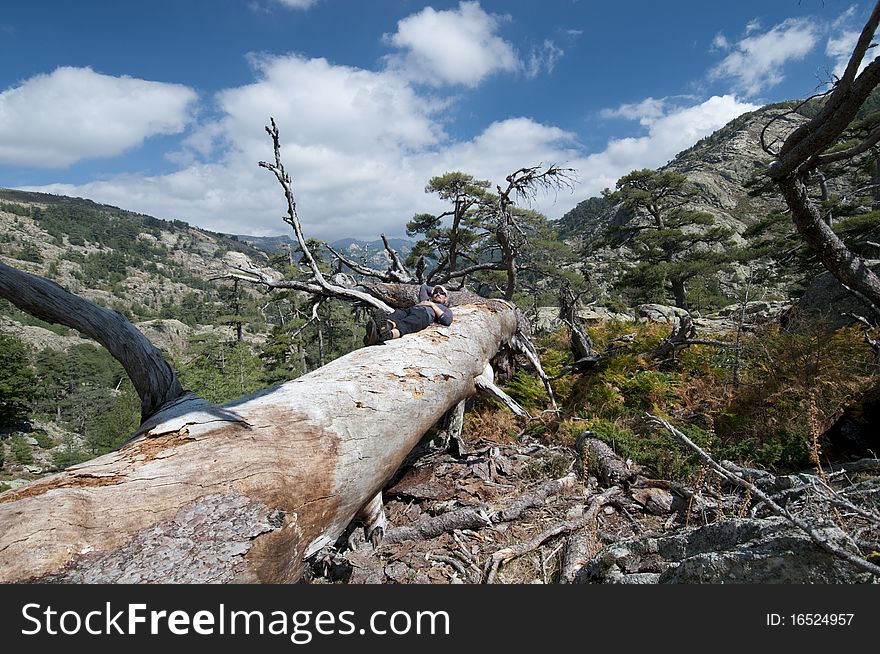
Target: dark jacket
column 446, row 318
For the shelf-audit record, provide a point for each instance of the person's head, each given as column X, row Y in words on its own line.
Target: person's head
column 439, row 295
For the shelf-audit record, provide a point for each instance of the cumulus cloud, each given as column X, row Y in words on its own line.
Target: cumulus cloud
column 359, row 167
column 506, row 145
column 756, row 62
column 455, row 46
column 73, row 114
column 670, row 130
column 645, row 111
column 349, row 140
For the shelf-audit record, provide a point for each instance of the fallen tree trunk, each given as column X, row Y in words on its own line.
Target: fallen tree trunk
column 245, row 491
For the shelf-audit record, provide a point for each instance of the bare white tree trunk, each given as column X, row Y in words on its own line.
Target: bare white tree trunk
column 246, row 491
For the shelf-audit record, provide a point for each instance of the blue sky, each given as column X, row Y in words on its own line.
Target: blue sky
column 159, row 107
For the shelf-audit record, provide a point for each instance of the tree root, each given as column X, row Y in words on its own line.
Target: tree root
column 508, row 553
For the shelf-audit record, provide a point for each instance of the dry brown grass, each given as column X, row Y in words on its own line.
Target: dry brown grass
column 490, row 424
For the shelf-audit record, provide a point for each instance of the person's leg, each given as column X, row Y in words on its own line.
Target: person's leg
column 378, row 327
column 409, row 321
column 392, row 331
column 388, row 326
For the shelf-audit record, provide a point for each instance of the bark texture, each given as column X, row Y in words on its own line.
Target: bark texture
column 245, row 491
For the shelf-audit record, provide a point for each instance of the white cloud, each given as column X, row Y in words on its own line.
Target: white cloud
column 349, row 140
column 756, row 62
column 297, row 4
column 456, row 46
column 73, row 114
column 669, row 132
column 348, row 185
column 753, row 26
column 720, row 42
column 646, row 111
column 505, row 146
column 543, row 58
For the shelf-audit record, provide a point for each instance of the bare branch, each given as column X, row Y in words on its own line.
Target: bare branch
column 357, row 267
column 292, row 219
column 485, row 383
column 767, row 147
column 872, row 140
column 397, row 268
column 508, row 553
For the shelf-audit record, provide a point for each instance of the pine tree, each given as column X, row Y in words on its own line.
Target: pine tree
column 671, row 242
column 18, row 384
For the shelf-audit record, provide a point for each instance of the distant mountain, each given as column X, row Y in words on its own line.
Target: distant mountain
column 373, row 253
column 370, row 253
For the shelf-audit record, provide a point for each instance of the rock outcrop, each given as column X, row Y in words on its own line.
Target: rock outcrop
column 736, row 550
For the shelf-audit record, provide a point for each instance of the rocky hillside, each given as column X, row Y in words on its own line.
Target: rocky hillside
column 725, row 165
column 163, row 275
column 140, row 265
column 722, row 166
column 725, row 168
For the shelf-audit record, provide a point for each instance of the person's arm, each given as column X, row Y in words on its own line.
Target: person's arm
column 442, row 313
column 424, row 293
column 445, row 317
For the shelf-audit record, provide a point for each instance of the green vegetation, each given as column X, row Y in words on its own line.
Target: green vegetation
column 466, row 235
column 671, row 243
column 17, row 381
column 768, row 419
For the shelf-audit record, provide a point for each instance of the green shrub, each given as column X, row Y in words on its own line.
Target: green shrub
column 43, row 439
column 68, row 456
column 528, row 391
column 650, row 448
column 21, row 451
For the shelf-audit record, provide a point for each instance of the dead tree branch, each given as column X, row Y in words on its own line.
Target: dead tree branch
column 509, row 553
column 292, row 219
column 153, row 379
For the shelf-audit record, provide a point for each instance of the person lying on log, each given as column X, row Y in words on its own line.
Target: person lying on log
column 433, row 307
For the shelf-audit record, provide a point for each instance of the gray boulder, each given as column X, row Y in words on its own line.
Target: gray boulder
column 659, row 313
column 827, row 301
column 745, row 551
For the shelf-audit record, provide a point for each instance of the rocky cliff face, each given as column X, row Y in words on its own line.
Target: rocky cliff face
column 725, row 167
